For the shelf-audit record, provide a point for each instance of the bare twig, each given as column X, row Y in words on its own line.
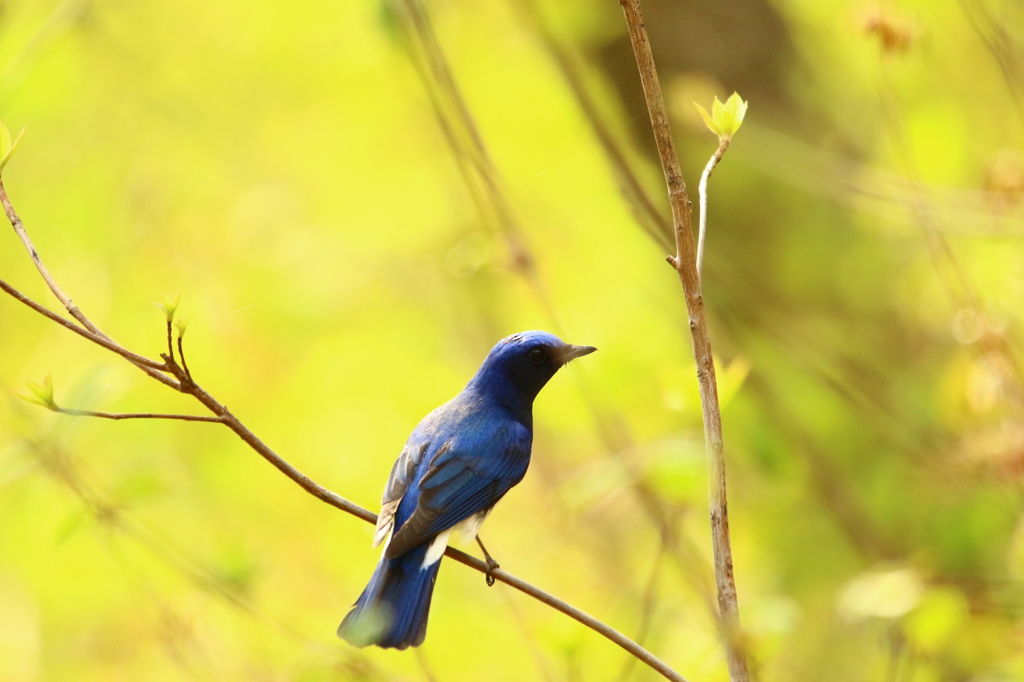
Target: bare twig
column 685, row 263
column 147, row 366
column 136, row 415
column 702, row 191
column 170, row 341
column 185, row 384
column 475, row 163
column 181, row 354
column 99, row 340
column 19, row 229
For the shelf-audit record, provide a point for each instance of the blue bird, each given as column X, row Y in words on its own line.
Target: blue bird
column 460, row 460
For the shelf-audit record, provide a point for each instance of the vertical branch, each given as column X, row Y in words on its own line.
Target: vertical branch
column 685, row 263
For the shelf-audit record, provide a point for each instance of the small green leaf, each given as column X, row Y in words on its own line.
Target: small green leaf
column 3, row 162
column 707, row 117
column 733, row 112
column 724, row 119
column 170, row 305
column 42, row 393
column 5, row 140
column 6, row 147
column 181, row 324
column 31, row 399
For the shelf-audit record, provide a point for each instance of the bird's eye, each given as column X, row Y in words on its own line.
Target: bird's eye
column 537, row 356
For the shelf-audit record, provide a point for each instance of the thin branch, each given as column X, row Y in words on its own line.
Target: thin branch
column 702, row 191
column 181, row 354
column 480, row 159
column 147, row 366
column 185, row 384
column 136, row 415
column 428, row 672
column 19, row 229
column 331, row 498
column 335, row 500
column 952, row 275
column 685, row 263
column 470, row 151
column 103, row 341
column 571, row 611
column 170, row 341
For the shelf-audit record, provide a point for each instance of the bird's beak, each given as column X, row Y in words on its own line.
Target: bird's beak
column 571, row 352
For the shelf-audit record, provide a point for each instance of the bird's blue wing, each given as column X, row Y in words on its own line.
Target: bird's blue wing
column 402, row 475
column 465, row 475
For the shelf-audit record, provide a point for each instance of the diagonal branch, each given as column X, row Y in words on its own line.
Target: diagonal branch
column 685, row 263
column 185, row 384
column 99, row 340
column 149, row 367
column 64, row 299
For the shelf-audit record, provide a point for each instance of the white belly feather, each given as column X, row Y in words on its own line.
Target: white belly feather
column 468, row 529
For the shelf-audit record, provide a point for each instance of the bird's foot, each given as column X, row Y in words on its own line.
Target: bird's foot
column 492, row 566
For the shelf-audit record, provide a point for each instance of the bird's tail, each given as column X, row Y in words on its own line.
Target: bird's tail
column 392, row 610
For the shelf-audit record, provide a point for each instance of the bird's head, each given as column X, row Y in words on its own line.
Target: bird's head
column 520, row 365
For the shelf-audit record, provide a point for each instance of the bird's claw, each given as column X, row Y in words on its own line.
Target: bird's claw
column 492, row 566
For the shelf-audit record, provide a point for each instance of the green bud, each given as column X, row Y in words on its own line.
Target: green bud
column 42, row 393
column 181, row 324
column 170, row 305
column 724, row 119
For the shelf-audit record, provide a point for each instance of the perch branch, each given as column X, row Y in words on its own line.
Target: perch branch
column 685, row 263
column 185, row 384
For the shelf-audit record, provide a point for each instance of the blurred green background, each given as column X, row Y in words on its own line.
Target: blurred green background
column 352, row 226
